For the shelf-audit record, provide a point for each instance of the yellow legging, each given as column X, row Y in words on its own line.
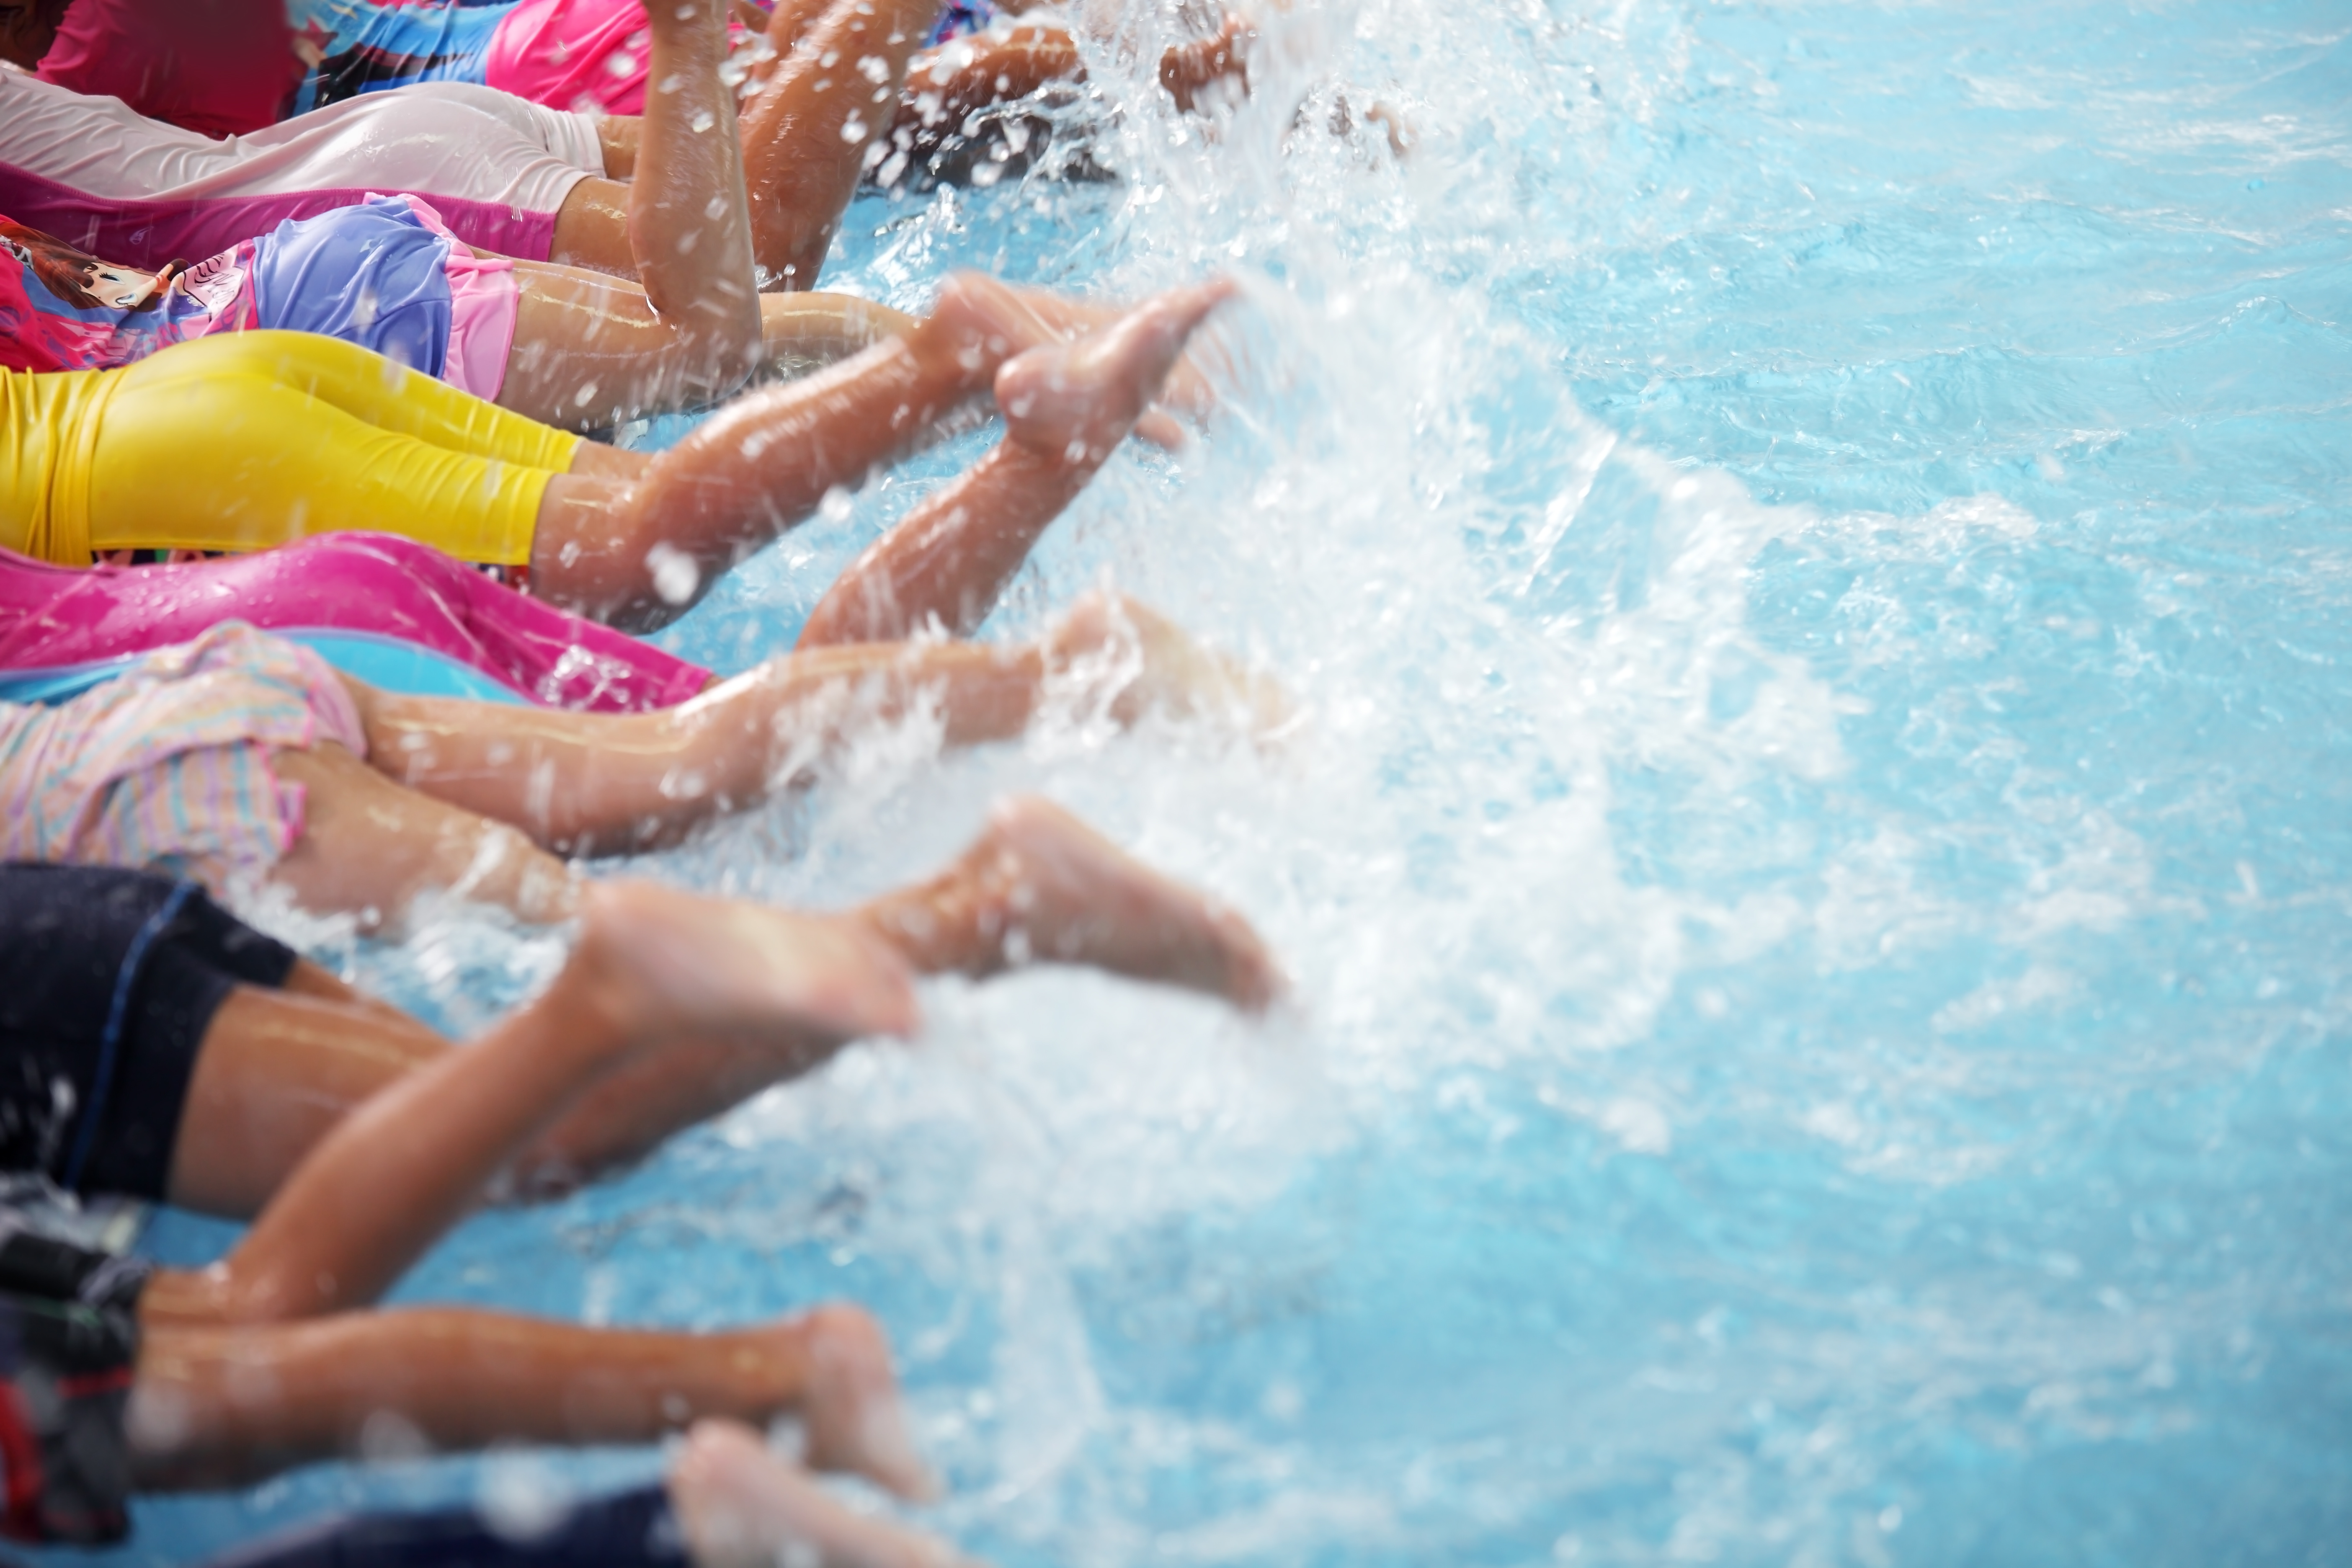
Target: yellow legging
column 249, row 439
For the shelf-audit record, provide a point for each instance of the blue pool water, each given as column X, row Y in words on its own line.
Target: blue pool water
column 1813, row 538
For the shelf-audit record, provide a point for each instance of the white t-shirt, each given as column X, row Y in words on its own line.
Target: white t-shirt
column 436, row 139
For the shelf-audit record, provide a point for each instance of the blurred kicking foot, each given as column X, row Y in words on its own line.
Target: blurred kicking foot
column 1075, row 402
column 740, row 1506
column 1186, row 387
column 983, row 322
column 1172, row 673
column 855, row 1421
column 1052, row 890
column 1189, row 70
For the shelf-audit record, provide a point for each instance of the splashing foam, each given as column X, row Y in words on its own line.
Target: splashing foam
column 1391, row 513
column 1495, row 610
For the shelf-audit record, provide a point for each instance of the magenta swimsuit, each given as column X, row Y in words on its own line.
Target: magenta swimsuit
column 389, row 611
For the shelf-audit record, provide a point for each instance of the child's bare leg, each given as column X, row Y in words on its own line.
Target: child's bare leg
column 276, row 1071
column 595, row 783
column 825, row 327
column 689, row 228
column 652, row 965
column 807, row 130
column 764, row 461
column 592, row 229
column 945, row 85
column 279, row 1070
column 671, row 212
column 678, row 228
column 215, row 1405
column 598, row 783
column 1036, row 888
column 1067, row 407
column 740, row 1506
column 590, row 350
column 369, row 848
column 786, row 21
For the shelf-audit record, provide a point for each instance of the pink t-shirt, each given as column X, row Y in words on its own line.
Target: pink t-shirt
column 221, row 67
column 580, row 55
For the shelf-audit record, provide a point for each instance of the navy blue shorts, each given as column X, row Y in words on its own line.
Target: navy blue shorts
column 108, row 981
column 628, row 1530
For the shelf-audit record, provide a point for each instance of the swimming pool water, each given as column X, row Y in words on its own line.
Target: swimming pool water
column 1813, row 538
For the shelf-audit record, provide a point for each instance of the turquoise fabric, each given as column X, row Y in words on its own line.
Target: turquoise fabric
column 387, row 664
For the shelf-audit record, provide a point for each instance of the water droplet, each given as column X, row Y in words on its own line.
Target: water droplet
column 674, row 574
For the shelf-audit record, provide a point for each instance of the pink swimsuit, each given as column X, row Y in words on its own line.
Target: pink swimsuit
column 62, row 619
column 576, row 54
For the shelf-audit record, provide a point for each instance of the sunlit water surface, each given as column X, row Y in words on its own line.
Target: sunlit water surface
column 1814, row 542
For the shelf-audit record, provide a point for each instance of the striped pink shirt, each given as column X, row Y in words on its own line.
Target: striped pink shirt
column 168, row 765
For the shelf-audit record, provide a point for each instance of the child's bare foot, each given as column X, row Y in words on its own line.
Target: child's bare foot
column 1074, row 403
column 1053, row 890
column 669, row 962
column 1402, row 137
column 1187, row 70
column 1186, row 387
column 981, row 323
column 855, row 1419
column 741, row 1507
column 1171, row 673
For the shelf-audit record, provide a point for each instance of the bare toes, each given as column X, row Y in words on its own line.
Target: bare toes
column 856, row 1419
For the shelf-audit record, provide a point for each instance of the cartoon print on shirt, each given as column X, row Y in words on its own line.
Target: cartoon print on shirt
column 62, row 308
